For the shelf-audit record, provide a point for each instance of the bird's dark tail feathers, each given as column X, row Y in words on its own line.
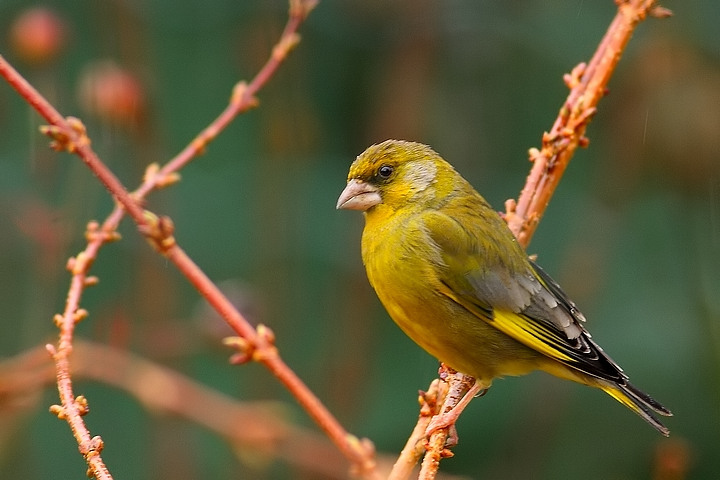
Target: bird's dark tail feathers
column 640, row 403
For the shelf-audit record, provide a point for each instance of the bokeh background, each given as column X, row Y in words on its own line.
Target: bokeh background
column 633, row 232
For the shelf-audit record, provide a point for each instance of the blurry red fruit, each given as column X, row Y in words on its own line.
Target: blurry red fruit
column 37, row 35
column 111, row 93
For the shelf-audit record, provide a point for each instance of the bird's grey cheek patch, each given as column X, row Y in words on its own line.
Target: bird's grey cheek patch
column 422, row 175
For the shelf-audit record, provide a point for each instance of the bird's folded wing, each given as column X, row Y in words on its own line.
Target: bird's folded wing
column 543, row 336
column 522, row 301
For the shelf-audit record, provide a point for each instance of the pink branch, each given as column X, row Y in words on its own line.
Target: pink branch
column 256, row 344
column 588, row 84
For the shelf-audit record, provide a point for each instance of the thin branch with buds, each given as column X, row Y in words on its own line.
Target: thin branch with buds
column 587, row 84
column 69, row 134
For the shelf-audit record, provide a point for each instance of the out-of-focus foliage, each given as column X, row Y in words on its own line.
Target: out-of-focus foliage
column 633, row 233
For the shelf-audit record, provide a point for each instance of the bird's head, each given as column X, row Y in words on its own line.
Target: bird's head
column 396, row 174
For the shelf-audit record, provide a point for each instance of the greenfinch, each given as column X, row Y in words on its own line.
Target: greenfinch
column 453, row 277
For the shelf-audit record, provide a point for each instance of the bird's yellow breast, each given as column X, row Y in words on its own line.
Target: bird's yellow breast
column 398, row 258
column 405, row 266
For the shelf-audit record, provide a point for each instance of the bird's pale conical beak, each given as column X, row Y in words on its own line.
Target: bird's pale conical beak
column 358, row 195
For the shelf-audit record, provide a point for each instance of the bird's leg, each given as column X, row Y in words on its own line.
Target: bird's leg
column 447, row 419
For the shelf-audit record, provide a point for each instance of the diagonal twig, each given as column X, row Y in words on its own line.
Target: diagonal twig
column 255, row 344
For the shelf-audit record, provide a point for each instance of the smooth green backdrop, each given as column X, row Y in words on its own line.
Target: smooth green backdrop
column 633, row 232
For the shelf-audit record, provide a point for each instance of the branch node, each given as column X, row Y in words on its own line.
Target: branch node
column 82, row 406
column 93, row 233
column 151, row 171
column 58, row 411
column 446, row 453
column 80, row 315
column 160, row 180
column 510, row 214
column 365, row 450
column 58, row 136
column 158, row 231
column 266, row 345
column 91, row 281
column 574, row 78
column 424, row 399
column 548, row 138
column 429, row 401
column 51, row 348
column 510, row 206
column 94, row 448
column 64, row 140
column 266, row 334
column 199, row 143
column 169, row 179
column 81, row 138
column 58, row 321
column 70, row 264
column 259, row 349
column 533, row 154
column 583, row 118
column 244, row 349
column 239, row 94
column 285, row 46
column 79, row 264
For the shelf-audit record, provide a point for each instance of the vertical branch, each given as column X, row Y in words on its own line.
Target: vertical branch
column 588, row 84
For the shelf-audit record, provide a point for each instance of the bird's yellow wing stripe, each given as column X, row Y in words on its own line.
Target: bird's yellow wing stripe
column 517, row 326
column 531, row 334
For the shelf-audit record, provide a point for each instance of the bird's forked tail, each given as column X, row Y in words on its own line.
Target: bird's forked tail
column 640, row 403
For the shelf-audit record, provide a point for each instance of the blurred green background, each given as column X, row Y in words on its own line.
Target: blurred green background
column 633, row 232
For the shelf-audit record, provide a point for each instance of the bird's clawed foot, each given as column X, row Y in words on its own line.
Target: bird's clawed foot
column 447, row 419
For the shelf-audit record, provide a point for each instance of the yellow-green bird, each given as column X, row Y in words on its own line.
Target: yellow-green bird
column 453, row 277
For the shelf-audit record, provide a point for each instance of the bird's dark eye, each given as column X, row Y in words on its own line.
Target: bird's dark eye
column 385, row 171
